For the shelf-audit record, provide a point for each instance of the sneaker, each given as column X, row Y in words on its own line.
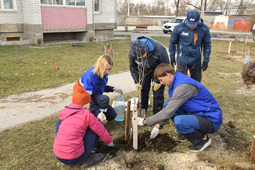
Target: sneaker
column 198, row 148
column 93, row 159
column 180, row 137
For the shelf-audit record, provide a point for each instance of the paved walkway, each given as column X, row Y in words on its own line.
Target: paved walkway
column 29, row 106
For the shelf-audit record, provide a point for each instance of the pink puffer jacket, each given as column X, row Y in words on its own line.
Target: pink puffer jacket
column 68, row 142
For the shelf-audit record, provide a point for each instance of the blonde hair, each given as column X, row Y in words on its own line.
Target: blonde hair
column 101, row 64
column 162, row 69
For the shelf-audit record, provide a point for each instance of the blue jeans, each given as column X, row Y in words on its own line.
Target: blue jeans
column 195, row 70
column 90, row 141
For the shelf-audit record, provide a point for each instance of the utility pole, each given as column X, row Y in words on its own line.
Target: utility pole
column 177, row 2
column 202, row 9
column 128, row 6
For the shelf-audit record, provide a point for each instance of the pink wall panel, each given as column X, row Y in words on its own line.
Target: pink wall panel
column 63, row 17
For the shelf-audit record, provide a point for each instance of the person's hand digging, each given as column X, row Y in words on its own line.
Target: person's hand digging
column 155, row 131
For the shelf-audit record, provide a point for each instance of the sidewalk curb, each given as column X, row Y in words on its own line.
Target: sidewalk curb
column 22, row 108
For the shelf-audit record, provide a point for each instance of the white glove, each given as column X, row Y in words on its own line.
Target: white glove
column 102, row 117
column 154, row 132
column 140, row 121
column 120, row 91
column 110, row 144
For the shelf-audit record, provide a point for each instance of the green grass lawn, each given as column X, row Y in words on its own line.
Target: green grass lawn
column 28, row 68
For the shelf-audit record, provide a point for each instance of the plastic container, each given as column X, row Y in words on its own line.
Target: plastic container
column 247, row 58
column 119, row 106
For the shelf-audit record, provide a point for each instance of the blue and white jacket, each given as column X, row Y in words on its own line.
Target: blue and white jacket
column 93, row 84
column 190, row 44
column 203, row 104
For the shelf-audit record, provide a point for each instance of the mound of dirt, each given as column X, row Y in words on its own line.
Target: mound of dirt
column 130, row 159
column 160, row 144
column 234, row 140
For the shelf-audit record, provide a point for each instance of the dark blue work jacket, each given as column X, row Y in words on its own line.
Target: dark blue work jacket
column 190, row 44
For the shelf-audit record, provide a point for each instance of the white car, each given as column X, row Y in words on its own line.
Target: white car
column 169, row 27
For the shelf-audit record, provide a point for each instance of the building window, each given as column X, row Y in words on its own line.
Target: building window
column 7, row 4
column 57, row 2
column 97, row 6
column 64, row 2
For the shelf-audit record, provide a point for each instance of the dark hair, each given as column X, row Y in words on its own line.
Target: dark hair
column 162, row 69
column 248, row 73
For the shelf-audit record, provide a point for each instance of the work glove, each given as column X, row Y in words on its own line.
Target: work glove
column 120, row 91
column 205, row 65
column 173, row 63
column 154, row 132
column 155, row 86
column 102, row 117
column 140, row 121
column 138, row 85
column 110, row 144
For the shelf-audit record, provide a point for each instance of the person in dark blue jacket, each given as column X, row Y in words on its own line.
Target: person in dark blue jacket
column 144, row 56
column 191, row 38
column 94, row 80
column 193, row 109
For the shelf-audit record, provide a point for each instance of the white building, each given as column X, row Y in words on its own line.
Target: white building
column 36, row 21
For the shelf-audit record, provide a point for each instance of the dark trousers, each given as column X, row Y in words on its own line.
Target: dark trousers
column 195, row 70
column 158, row 96
column 100, row 103
column 90, row 141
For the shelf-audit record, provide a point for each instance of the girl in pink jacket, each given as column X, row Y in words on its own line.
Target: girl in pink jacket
column 77, row 131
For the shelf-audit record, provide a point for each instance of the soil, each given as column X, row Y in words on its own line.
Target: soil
column 229, row 150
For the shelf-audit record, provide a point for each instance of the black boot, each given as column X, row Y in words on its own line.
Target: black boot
column 93, row 159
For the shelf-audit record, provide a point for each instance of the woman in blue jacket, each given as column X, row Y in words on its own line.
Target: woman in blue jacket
column 94, row 80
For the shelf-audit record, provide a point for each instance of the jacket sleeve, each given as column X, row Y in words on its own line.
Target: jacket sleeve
column 108, row 89
column 96, row 126
column 181, row 94
column 173, row 42
column 207, row 45
column 86, row 83
column 133, row 68
column 164, row 58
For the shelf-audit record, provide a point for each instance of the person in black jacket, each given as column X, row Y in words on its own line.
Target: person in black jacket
column 144, row 56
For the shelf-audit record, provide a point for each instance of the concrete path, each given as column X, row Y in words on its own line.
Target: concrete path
column 29, row 106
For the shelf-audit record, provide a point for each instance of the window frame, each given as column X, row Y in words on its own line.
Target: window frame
column 64, row 3
column 14, row 6
column 99, row 7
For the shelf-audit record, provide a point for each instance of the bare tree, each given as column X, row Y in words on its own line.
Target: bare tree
column 177, row 2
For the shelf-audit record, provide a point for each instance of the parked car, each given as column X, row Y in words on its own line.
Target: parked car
column 169, row 26
column 253, row 32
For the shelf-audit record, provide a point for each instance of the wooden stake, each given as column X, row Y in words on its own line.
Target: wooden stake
column 135, row 129
column 235, row 51
column 243, row 45
column 253, row 148
column 229, row 47
column 127, row 121
column 140, row 103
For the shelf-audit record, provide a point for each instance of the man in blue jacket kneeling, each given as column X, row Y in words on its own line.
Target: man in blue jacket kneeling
column 194, row 110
